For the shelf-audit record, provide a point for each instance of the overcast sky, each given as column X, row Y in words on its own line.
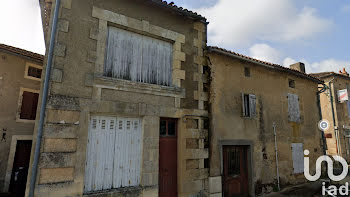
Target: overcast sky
column 316, row 32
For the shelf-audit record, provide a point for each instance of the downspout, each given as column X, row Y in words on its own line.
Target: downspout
column 43, row 101
column 276, row 150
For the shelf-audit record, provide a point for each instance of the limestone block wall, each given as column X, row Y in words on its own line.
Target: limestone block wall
column 78, row 90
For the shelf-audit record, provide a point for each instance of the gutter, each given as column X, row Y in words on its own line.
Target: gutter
column 44, row 101
column 265, row 65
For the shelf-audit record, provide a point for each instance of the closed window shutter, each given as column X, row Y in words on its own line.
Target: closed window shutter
column 298, row 158
column 139, row 58
column 252, row 105
column 29, row 105
column 293, row 108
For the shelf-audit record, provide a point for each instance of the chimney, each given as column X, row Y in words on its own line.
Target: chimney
column 344, row 72
column 298, row 66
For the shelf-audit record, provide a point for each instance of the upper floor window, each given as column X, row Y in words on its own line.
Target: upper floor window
column 139, row 58
column 29, row 105
column 293, row 108
column 33, row 71
column 249, row 105
column 246, row 71
column 291, row 83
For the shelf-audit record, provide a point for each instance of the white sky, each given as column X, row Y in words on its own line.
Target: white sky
column 20, row 23
column 280, row 31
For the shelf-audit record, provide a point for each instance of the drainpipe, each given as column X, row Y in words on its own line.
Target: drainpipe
column 336, row 131
column 43, row 101
column 276, row 150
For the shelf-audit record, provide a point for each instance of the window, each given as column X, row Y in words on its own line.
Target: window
column 249, row 105
column 293, row 108
column 29, row 104
column 33, row 72
column 113, row 153
column 167, row 127
column 246, row 71
column 139, row 58
column 291, row 83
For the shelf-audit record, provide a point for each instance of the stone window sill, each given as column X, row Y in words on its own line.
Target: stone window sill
column 137, row 87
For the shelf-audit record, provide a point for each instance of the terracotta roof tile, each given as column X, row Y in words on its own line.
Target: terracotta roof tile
column 281, row 68
column 180, row 10
column 22, row 52
column 323, row 75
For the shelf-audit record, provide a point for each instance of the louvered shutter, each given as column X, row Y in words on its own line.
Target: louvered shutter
column 293, row 108
column 252, row 105
column 113, row 153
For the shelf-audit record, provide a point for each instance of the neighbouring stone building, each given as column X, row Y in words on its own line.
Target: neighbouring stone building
column 127, row 111
column 247, row 98
column 335, row 107
column 20, row 78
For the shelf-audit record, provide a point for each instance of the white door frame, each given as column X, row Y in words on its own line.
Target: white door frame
column 11, row 158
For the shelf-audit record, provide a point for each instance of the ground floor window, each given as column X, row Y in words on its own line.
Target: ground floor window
column 113, row 153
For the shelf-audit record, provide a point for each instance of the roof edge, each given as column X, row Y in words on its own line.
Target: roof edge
column 330, row 75
column 263, row 63
column 181, row 11
column 22, row 52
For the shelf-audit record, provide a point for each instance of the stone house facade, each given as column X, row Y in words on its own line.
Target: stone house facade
column 336, row 112
column 248, row 99
column 121, row 118
column 20, row 78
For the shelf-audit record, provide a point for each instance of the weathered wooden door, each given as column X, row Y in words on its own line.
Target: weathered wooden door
column 235, row 172
column 20, row 168
column 168, row 158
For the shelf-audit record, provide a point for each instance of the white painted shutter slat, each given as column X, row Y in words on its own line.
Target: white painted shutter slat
column 298, row 157
column 136, row 57
column 293, row 108
column 252, row 105
column 113, row 154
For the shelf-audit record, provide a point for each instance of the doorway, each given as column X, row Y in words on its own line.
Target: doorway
column 168, row 157
column 235, row 171
column 20, row 168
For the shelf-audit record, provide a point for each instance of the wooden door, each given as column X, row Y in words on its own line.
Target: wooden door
column 168, row 158
column 20, row 168
column 235, row 172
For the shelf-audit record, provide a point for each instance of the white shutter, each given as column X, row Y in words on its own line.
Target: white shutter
column 113, row 153
column 136, row 57
column 243, row 106
column 293, row 108
column 252, row 105
column 298, row 158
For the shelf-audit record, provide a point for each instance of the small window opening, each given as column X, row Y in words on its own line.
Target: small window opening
column 246, row 71
column 291, row 83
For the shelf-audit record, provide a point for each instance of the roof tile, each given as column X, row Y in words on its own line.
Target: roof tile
column 282, row 68
column 22, row 52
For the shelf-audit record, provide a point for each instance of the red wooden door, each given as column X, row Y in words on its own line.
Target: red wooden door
column 168, row 158
column 20, row 168
column 235, row 174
